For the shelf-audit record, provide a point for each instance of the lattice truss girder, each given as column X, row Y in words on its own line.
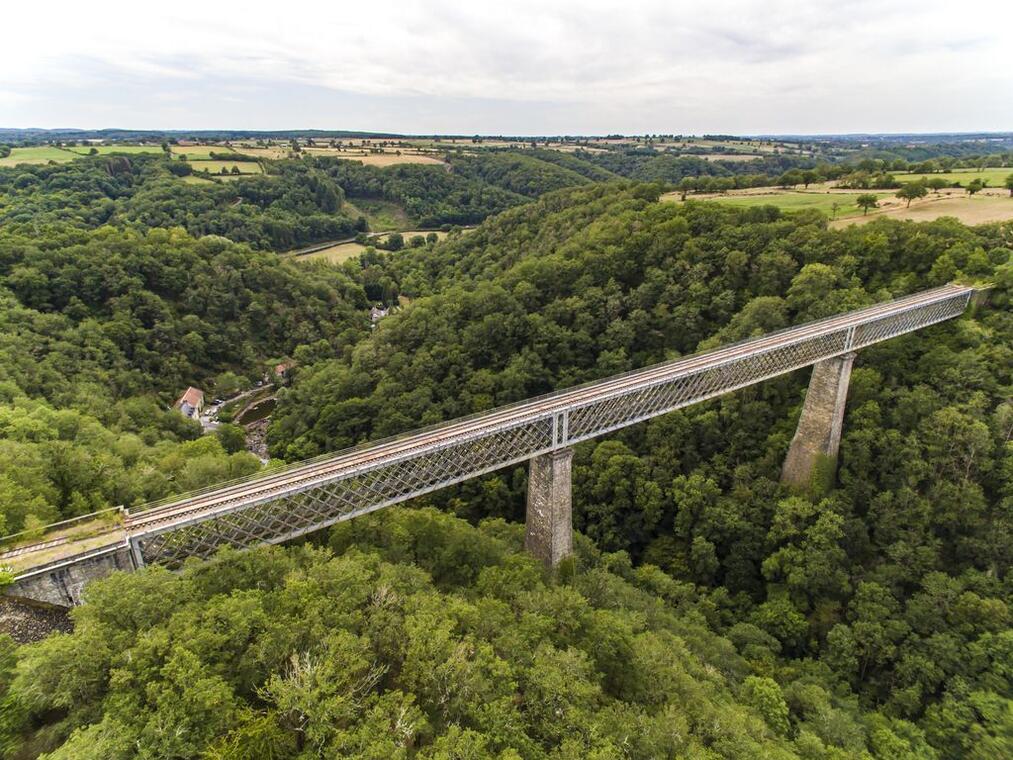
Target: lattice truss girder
column 321, row 504
column 411, row 473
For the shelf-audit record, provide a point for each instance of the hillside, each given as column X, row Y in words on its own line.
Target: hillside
column 591, row 281
column 709, row 608
column 102, row 329
column 423, row 637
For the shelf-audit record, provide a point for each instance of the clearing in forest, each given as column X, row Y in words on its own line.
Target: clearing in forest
column 791, row 200
column 335, row 254
column 381, row 214
column 215, row 167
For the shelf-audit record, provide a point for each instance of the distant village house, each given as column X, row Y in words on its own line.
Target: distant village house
column 377, row 313
column 191, row 402
column 281, row 370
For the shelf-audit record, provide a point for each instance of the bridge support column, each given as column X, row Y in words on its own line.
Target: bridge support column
column 811, row 463
column 549, row 531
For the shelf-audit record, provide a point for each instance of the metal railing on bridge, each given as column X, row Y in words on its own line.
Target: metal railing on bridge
column 287, row 502
column 306, row 497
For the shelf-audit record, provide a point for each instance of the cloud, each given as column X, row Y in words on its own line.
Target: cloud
column 520, row 67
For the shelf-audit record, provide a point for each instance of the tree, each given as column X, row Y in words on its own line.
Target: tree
column 765, row 695
column 232, row 437
column 865, row 201
column 395, row 241
column 974, row 186
column 790, row 178
column 809, row 176
column 911, row 191
column 1009, row 184
column 936, row 183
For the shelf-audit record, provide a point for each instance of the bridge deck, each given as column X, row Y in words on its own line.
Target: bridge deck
column 304, row 497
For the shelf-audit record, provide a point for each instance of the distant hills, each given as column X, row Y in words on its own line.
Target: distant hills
column 69, row 133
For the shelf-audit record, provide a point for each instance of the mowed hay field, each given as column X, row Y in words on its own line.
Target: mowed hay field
column 969, row 209
column 387, row 158
column 989, row 205
column 993, row 177
column 390, row 159
column 334, row 254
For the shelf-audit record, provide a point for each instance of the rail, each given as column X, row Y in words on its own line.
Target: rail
column 297, row 499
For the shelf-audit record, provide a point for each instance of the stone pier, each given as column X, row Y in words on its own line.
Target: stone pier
column 62, row 583
column 811, row 464
column 549, row 533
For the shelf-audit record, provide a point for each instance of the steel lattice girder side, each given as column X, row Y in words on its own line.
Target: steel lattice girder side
column 318, row 502
column 316, row 506
column 596, row 418
column 890, row 326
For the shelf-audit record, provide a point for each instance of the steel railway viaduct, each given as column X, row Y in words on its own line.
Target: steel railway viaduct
column 287, row 503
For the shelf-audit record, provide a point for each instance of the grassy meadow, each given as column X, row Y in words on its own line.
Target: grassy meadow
column 215, row 167
column 994, row 177
column 85, row 150
column 42, row 154
column 789, row 200
column 335, row 254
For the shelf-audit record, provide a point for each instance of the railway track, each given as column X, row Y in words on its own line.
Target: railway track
column 502, row 436
column 298, row 475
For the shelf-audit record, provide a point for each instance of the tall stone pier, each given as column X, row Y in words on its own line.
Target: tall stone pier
column 811, row 463
column 549, row 530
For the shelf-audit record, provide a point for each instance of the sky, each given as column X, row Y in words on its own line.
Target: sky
column 520, row 68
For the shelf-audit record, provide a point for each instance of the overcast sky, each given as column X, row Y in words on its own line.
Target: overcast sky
column 544, row 67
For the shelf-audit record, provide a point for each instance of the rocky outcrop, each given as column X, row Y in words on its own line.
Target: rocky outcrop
column 25, row 622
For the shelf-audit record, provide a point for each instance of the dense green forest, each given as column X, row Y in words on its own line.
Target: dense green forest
column 430, row 195
column 709, row 612
column 102, row 328
column 422, row 636
column 296, row 204
column 594, row 281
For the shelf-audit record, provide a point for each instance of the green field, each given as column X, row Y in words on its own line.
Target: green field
column 381, row 215
column 215, row 167
column 994, row 177
column 335, row 253
column 199, row 152
column 794, row 201
column 84, row 150
column 39, row 155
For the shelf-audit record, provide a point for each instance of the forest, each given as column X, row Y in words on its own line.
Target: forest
column 709, row 612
